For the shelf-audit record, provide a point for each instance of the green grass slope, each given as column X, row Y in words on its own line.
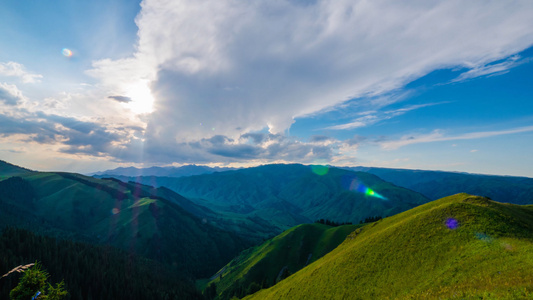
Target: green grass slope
column 8, row 170
column 114, row 213
column 266, row 264
column 415, row 255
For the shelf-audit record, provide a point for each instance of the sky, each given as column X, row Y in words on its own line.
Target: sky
column 437, row 85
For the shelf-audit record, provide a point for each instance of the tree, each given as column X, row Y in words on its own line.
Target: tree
column 34, row 285
column 252, row 288
column 211, row 291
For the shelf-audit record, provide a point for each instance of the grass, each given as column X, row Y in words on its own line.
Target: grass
column 414, row 255
column 291, row 250
column 7, row 170
column 18, row 269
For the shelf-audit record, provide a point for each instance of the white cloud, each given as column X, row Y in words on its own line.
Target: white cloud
column 373, row 117
column 10, row 94
column 13, row 69
column 357, row 123
column 439, row 136
column 231, row 67
column 492, row 69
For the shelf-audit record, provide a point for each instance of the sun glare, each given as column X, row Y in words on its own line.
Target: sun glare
column 141, row 98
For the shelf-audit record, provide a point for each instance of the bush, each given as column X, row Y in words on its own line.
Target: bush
column 35, row 282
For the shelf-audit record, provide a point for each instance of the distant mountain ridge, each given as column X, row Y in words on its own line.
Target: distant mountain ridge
column 432, row 184
column 439, row 184
column 292, row 194
column 186, row 170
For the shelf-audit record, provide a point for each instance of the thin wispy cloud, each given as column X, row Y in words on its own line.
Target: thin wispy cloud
column 439, row 136
column 373, row 117
column 492, row 69
column 357, row 123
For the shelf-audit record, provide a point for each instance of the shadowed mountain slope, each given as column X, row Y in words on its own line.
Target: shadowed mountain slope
column 115, row 213
column 288, row 195
column 438, row 184
column 460, row 246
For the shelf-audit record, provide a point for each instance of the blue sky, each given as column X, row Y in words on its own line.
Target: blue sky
column 428, row 85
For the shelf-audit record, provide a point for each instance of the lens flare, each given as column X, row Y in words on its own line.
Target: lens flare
column 115, row 211
column 484, row 237
column 452, row 223
column 361, row 188
column 66, row 52
column 320, row 169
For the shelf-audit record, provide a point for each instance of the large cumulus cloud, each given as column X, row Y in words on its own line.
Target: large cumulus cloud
column 220, row 69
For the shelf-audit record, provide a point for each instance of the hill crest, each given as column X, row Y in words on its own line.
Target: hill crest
column 458, row 246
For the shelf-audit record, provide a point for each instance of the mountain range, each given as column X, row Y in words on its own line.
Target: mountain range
column 250, row 233
column 186, row 170
column 432, row 184
column 132, row 217
column 439, row 184
column 292, row 194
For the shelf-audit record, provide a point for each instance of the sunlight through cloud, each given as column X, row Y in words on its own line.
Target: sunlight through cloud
column 141, row 97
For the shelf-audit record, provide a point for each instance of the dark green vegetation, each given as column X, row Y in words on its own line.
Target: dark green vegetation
column 132, row 217
column 34, row 284
column 460, row 246
column 264, row 265
column 438, row 184
column 89, row 271
column 288, row 195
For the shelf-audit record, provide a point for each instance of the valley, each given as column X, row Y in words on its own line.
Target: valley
column 254, row 233
column 283, row 150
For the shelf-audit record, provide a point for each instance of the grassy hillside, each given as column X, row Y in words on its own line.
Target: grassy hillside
column 266, row 264
column 7, row 170
column 114, row 213
column 288, row 195
column 438, row 184
column 460, row 246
